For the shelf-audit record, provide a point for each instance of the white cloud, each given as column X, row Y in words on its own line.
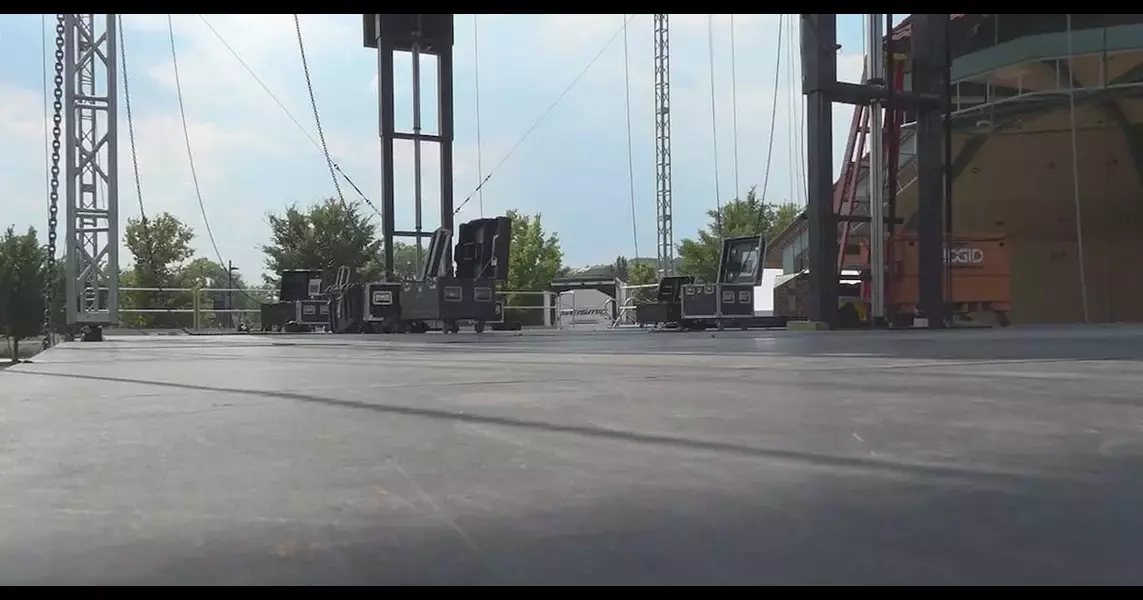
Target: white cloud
column 23, row 176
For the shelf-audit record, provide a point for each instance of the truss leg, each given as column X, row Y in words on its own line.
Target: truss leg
column 91, row 111
column 929, row 70
column 819, row 55
column 663, row 201
column 418, row 34
column 876, row 70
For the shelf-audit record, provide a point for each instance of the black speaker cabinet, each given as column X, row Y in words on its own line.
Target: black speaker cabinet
column 482, row 248
column 299, row 284
column 670, row 287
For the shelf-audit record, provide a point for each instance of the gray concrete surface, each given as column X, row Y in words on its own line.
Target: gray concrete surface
column 977, row 457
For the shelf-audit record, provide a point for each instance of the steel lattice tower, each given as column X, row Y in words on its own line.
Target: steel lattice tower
column 91, row 170
column 666, row 236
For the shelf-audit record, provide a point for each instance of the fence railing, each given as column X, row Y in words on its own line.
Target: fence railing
column 200, row 316
column 628, row 296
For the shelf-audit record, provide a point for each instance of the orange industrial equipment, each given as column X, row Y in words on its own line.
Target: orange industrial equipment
column 981, row 277
column 980, row 273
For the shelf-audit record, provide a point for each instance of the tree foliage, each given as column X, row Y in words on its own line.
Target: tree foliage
column 160, row 248
column 165, row 260
column 636, row 271
column 534, row 258
column 326, row 235
column 22, row 277
column 740, row 217
column 621, row 268
column 642, row 273
column 405, row 260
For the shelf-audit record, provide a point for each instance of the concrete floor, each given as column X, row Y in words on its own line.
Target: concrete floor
column 971, row 457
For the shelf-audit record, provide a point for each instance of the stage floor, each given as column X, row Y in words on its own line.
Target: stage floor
column 964, row 457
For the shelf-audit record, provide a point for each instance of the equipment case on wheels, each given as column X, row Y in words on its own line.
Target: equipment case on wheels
column 731, row 297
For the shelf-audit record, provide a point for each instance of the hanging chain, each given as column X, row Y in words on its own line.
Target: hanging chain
column 54, row 190
column 314, row 106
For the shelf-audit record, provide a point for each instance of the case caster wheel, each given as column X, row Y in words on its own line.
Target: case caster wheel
column 478, row 327
column 1002, row 318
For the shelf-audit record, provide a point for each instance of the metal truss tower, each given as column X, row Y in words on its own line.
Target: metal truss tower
column 666, row 235
column 91, row 148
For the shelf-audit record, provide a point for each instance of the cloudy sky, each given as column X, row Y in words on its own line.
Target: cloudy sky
column 573, row 167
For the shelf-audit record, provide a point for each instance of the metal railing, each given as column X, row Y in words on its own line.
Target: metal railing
column 547, row 305
column 631, row 295
column 196, row 301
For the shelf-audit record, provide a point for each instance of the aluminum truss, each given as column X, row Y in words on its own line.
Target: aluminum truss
column 666, row 235
column 92, row 173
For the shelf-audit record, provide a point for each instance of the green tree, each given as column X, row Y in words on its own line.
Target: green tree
column 534, row 260
column 621, row 268
column 22, row 273
column 204, row 272
column 59, row 302
column 326, row 235
column 161, row 248
column 740, row 217
column 405, row 259
column 643, row 274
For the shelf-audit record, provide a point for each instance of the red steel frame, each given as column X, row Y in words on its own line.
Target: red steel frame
column 845, row 193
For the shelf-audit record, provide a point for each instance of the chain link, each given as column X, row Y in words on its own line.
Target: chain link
column 54, row 190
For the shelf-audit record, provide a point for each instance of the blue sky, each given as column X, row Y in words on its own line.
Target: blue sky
column 573, row 168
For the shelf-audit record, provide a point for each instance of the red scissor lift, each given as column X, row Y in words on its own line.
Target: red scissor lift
column 976, row 288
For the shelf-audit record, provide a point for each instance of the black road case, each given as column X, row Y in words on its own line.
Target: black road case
column 312, row 312
column 383, row 301
column 731, row 298
column 449, row 298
